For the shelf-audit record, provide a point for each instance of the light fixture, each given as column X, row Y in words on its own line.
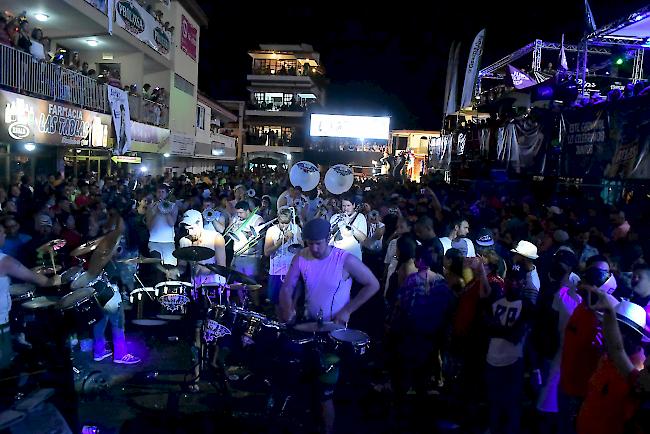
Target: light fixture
column 166, row 155
column 143, row 169
column 41, row 16
column 619, row 61
column 288, row 157
column 92, row 42
column 30, row 147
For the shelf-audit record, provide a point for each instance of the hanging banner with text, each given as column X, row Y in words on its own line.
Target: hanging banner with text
column 136, row 20
column 630, row 139
column 585, row 150
column 31, row 120
column 119, row 101
column 188, row 37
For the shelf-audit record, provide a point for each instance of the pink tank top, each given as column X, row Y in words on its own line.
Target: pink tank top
column 324, row 285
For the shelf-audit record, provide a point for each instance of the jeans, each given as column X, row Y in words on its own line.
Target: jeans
column 6, row 349
column 505, row 386
column 273, row 289
column 117, row 328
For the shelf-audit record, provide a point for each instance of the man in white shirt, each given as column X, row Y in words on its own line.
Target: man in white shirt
column 280, row 241
column 246, row 261
column 160, row 222
column 215, row 220
column 352, row 228
column 457, row 238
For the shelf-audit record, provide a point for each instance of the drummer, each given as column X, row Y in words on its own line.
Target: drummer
column 10, row 267
column 278, row 245
column 327, row 272
column 198, row 236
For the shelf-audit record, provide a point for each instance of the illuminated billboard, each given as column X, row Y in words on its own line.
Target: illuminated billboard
column 360, row 127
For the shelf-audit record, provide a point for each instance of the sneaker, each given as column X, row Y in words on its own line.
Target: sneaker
column 128, row 359
column 102, row 356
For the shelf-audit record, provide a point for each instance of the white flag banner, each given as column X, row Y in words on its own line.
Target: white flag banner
column 119, row 101
column 136, row 20
column 471, row 73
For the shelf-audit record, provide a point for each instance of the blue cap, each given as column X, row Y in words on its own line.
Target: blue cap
column 316, row 230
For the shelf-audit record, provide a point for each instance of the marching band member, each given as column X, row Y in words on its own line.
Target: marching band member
column 161, row 218
column 214, row 220
column 351, row 228
column 198, row 236
column 328, row 273
column 290, row 196
column 246, row 260
column 277, row 246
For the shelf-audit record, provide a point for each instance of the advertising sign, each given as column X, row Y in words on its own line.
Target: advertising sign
column 136, row 20
column 119, row 101
column 26, row 119
column 188, row 37
column 361, row 127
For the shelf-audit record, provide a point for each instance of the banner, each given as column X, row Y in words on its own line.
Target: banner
column 585, row 148
column 32, row 120
column 520, row 80
column 182, row 144
column 471, row 73
column 451, row 84
column 188, row 37
column 119, row 101
column 630, row 137
column 136, row 20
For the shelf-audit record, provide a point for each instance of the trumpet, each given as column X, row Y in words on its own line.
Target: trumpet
column 165, row 206
column 209, row 215
column 251, row 192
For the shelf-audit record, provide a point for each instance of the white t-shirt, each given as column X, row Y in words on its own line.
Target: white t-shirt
column 209, row 226
column 161, row 231
column 465, row 245
column 325, row 286
column 5, row 297
column 502, row 352
column 281, row 258
column 346, row 240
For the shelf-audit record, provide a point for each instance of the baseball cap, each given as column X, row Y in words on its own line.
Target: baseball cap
column 555, row 209
column 192, row 217
column 566, row 257
column 560, row 236
column 316, row 229
column 484, row 238
column 44, row 220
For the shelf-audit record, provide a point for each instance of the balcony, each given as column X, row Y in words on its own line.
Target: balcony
column 23, row 73
column 271, row 140
column 148, row 112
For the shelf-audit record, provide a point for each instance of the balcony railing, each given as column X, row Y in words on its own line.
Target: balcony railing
column 275, row 107
column 148, row 112
column 267, row 140
column 24, row 73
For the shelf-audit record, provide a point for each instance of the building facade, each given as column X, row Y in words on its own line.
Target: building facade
column 285, row 83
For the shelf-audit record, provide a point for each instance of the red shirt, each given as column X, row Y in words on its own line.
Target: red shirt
column 468, row 305
column 610, row 401
column 82, row 200
column 581, row 351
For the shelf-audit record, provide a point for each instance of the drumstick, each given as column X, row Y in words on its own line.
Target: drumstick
column 52, row 258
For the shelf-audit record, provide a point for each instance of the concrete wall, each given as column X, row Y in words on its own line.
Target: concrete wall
column 184, row 65
column 203, row 135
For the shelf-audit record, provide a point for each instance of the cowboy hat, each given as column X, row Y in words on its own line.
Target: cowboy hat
column 526, row 249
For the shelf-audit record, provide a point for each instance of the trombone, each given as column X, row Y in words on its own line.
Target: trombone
column 256, row 234
column 233, row 233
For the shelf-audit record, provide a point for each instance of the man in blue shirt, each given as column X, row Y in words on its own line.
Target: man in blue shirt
column 15, row 239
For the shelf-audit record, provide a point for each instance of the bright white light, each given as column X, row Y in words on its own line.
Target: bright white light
column 41, row 16
column 166, row 154
column 288, row 157
column 30, row 147
column 92, row 42
column 361, row 127
column 143, row 169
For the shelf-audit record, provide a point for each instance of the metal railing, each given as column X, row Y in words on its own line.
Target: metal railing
column 26, row 74
column 148, row 112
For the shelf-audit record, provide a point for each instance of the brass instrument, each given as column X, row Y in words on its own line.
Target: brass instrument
column 232, row 232
column 335, row 232
column 209, row 215
column 251, row 192
column 256, row 234
column 165, row 206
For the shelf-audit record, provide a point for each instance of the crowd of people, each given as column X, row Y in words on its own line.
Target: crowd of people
column 487, row 295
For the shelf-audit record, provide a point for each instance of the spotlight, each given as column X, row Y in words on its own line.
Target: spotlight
column 619, row 61
column 143, row 169
column 41, row 16
column 166, row 155
column 92, row 42
column 30, row 147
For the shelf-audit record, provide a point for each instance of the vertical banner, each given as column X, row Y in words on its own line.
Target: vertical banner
column 471, row 73
column 119, row 101
column 188, row 37
column 629, row 135
column 585, row 150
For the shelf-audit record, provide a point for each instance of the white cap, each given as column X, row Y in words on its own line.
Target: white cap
column 192, row 217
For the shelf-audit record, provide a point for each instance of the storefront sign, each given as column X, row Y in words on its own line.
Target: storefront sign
column 136, row 20
column 188, row 37
column 126, row 159
column 182, row 144
column 26, row 119
column 149, row 134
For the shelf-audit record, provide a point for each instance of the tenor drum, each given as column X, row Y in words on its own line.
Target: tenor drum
column 21, row 292
column 82, row 307
column 173, row 295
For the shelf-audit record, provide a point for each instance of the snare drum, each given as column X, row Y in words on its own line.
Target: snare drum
column 81, row 306
column 21, row 292
column 350, row 342
column 70, row 275
column 173, row 295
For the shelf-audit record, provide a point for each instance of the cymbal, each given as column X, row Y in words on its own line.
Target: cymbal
column 86, row 247
column 139, row 260
column 244, row 287
column 193, row 253
column 41, row 269
column 53, row 245
column 104, row 251
column 231, row 275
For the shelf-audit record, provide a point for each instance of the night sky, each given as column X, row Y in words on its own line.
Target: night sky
column 385, row 60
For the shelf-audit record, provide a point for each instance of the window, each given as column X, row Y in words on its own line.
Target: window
column 274, row 66
column 200, row 117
